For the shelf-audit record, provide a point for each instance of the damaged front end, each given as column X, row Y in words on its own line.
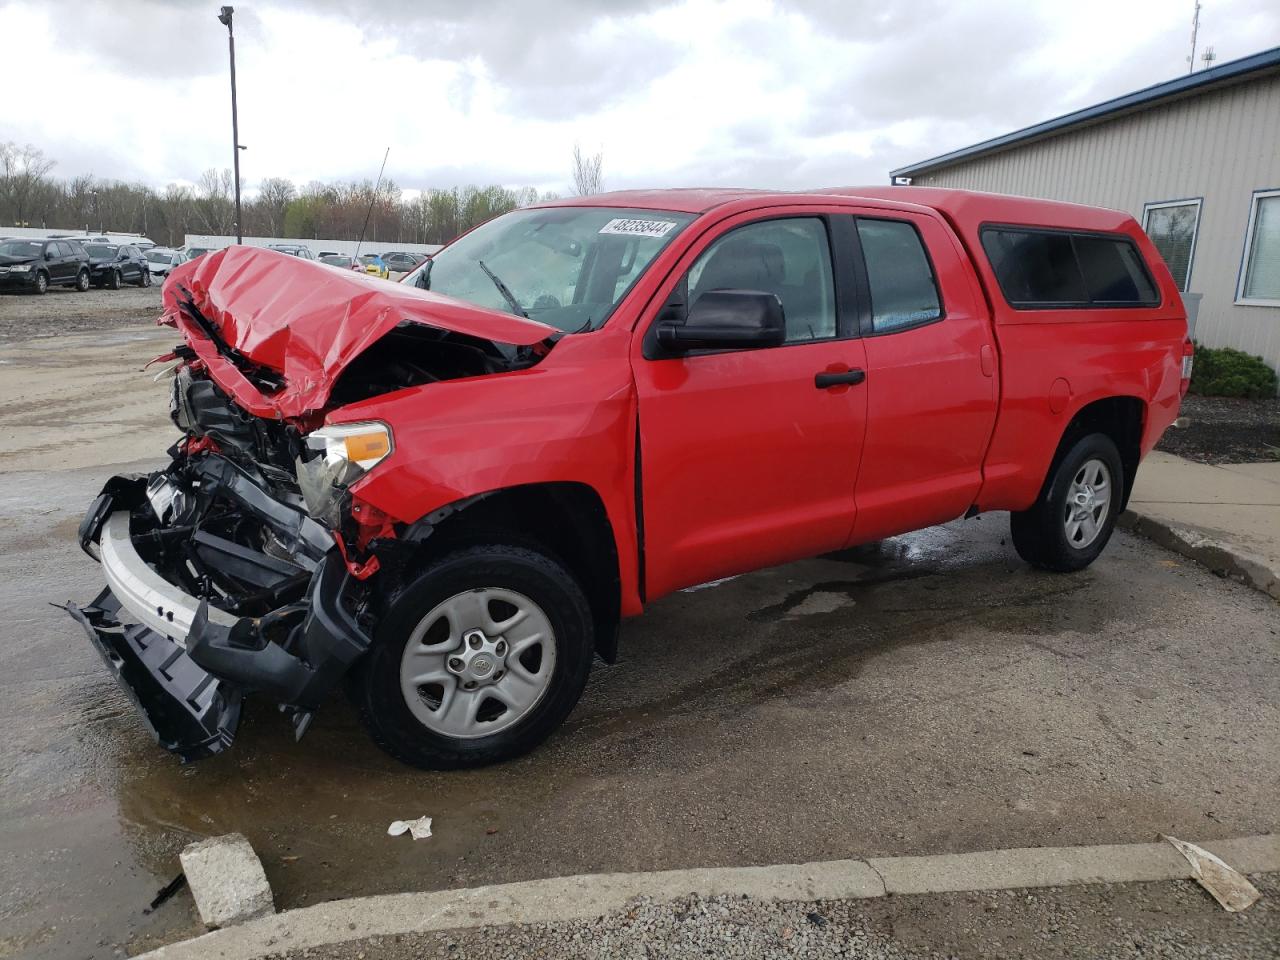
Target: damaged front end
column 247, row 565
column 220, row 583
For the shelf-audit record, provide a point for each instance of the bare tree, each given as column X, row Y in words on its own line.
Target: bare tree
column 273, row 199
column 588, row 171
column 22, row 174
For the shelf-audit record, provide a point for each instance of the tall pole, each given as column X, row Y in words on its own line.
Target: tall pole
column 1195, row 30
column 225, row 17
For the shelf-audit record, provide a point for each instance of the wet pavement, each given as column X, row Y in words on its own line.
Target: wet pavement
column 931, row 694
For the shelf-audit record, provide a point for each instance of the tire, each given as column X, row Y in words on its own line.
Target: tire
column 146, row 278
column 115, row 281
column 1069, row 525
column 82, row 281
column 42, row 282
column 422, row 634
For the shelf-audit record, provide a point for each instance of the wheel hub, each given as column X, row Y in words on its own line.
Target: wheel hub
column 479, row 659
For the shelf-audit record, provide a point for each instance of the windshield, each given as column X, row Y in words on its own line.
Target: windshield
column 335, row 261
column 157, row 256
column 100, row 250
column 564, row 266
column 19, row 248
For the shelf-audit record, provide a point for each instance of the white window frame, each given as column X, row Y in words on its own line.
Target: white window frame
column 1241, row 299
column 1196, row 202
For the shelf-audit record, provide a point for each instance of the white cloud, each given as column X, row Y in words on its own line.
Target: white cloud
column 750, row 92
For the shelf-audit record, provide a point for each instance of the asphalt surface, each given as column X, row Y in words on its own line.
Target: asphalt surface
column 1174, row 920
column 928, row 695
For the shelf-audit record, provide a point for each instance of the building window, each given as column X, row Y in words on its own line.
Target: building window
column 1260, row 271
column 1172, row 227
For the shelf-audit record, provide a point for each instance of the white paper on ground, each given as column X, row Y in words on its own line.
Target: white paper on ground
column 419, row 829
column 1226, row 885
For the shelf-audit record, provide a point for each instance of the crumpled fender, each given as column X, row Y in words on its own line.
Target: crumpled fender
column 308, row 321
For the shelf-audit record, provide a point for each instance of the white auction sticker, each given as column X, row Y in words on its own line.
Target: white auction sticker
column 638, row 228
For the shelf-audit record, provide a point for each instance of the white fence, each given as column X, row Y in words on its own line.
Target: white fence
column 39, row 233
column 345, row 247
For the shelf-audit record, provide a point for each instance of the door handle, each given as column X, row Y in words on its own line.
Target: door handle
column 845, row 378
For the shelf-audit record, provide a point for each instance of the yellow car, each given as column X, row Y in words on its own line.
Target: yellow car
column 373, row 264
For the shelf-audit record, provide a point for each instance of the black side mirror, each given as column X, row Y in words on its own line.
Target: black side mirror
column 50, row 253
column 727, row 320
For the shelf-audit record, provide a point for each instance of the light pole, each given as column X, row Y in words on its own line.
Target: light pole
column 224, row 17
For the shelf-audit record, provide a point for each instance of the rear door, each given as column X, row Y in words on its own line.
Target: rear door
column 931, row 374
column 746, row 458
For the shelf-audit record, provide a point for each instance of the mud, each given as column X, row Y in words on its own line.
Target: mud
column 929, row 694
column 63, row 310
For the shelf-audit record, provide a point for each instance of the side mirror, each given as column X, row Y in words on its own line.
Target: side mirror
column 726, row 320
column 50, row 254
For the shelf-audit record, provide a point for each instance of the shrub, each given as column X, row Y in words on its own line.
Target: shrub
column 1224, row 372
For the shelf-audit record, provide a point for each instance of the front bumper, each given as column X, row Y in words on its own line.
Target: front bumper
column 188, row 664
column 10, row 280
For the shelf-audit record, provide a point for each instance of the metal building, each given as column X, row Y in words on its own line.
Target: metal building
column 1196, row 160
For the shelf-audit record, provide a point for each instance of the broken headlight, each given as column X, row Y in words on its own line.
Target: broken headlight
column 345, row 452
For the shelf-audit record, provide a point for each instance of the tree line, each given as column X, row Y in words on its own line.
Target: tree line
column 31, row 196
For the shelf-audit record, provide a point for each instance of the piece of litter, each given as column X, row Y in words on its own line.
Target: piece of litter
column 419, row 829
column 1226, row 885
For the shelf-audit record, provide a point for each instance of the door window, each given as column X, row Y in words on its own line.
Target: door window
column 904, row 292
column 789, row 258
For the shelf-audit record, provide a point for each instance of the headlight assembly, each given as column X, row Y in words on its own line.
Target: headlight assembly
column 350, row 449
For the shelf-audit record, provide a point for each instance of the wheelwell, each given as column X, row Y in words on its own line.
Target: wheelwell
column 566, row 520
column 1121, row 419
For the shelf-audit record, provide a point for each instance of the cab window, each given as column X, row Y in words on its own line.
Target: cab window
column 790, row 258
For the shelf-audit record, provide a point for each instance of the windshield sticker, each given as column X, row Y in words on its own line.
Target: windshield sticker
column 638, row 228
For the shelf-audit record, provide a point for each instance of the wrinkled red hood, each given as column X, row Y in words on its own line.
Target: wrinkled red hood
column 307, row 321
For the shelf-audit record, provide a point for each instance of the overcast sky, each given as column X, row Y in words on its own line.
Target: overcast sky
column 787, row 94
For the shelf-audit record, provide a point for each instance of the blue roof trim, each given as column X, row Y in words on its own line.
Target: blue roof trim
column 1233, row 69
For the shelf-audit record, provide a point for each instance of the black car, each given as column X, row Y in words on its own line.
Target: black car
column 39, row 264
column 113, row 266
column 401, row 262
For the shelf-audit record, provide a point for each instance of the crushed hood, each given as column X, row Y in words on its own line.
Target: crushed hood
column 307, row 321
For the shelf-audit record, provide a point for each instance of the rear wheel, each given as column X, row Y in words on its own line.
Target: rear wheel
column 1069, row 525
column 477, row 660
column 82, row 281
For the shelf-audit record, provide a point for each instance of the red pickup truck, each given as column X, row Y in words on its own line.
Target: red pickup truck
column 448, row 492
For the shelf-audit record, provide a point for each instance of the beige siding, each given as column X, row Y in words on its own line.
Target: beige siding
column 1220, row 146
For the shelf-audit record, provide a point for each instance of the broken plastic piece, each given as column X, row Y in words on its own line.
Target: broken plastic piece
column 1228, row 886
column 419, row 829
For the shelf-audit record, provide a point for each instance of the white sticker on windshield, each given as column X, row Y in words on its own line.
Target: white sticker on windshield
column 638, row 228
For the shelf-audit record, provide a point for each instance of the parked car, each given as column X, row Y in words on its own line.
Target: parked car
column 346, row 263
column 37, row 265
column 190, row 253
column 293, row 249
column 401, row 262
column 162, row 260
column 327, row 253
column 112, row 266
column 450, row 497
column 373, row 264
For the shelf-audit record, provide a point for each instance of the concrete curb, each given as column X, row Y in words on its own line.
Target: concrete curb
column 579, row 897
column 1224, row 559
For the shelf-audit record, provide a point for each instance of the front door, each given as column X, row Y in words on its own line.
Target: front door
column 747, row 458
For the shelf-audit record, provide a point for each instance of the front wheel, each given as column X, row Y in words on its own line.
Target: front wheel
column 476, row 661
column 82, row 281
column 1071, row 522
column 42, row 282
column 146, row 278
column 116, row 281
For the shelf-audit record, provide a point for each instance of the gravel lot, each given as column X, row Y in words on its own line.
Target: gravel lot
column 63, row 310
column 1136, row 920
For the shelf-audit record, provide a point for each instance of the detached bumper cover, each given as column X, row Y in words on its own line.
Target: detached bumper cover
column 187, row 665
column 188, row 710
